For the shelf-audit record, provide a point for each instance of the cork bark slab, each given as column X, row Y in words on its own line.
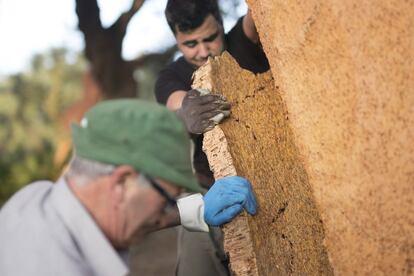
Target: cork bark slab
column 237, row 241
column 286, row 236
column 345, row 72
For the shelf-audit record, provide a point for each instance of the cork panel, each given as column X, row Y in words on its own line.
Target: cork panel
column 287, row 232
column 345, row 71
column 238, row 243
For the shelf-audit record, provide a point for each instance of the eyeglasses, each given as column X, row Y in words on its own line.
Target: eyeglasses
column 170, row 199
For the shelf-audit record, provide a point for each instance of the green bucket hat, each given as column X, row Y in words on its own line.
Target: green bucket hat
column 142, row 134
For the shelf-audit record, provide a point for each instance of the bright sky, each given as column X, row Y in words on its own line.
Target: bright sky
column 28, row 27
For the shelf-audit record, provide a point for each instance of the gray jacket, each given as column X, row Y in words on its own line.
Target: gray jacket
column 45, row 230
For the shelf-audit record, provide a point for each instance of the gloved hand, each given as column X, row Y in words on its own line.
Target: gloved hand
column 201, row 113
column 227, row 198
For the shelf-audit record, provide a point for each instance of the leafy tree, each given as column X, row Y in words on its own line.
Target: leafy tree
column 30, row 107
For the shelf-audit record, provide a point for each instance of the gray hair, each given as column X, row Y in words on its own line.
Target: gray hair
column 84, row 170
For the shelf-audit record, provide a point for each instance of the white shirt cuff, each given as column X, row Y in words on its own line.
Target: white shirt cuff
column 191, row 209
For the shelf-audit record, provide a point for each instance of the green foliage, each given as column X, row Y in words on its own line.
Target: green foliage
column 31, row 104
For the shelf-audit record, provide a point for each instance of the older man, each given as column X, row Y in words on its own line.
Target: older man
column 131, row 161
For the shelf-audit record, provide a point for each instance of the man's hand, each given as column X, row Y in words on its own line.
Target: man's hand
column 201, row 113
column 227, row 198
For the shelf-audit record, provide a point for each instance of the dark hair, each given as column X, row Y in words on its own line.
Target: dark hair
column 188, row 15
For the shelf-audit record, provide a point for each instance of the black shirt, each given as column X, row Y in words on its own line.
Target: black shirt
column 178, row 76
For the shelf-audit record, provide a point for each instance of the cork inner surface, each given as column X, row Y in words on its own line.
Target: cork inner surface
column 287, row 233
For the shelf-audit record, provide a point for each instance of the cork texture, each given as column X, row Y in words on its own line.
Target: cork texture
column 286, row 236
column 238, row 242
column 345, row 73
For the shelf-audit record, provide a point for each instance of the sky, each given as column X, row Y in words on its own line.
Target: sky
column 28, row 27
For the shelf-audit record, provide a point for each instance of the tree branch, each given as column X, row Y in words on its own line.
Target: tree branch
column 103, row 48
column 123, row 20
column 88, row 16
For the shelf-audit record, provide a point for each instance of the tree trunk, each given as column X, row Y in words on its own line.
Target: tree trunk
column 103, row 49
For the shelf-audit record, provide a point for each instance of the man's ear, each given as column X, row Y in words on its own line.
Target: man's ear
column 121, row 173
column 117, row 181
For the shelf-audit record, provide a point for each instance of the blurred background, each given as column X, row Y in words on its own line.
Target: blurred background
column 59, row 58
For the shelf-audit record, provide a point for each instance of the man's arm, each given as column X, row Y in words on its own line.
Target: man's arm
column 249, row 28
column 175, row 100
column 224, row 201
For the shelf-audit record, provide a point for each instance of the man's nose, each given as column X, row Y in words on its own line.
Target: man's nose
column 204, row 50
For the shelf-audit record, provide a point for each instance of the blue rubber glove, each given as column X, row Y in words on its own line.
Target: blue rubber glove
column 227, row 198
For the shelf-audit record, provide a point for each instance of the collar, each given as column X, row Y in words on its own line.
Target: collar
column 91, row 242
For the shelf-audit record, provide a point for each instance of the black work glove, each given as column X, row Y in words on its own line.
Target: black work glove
column 201, row 113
